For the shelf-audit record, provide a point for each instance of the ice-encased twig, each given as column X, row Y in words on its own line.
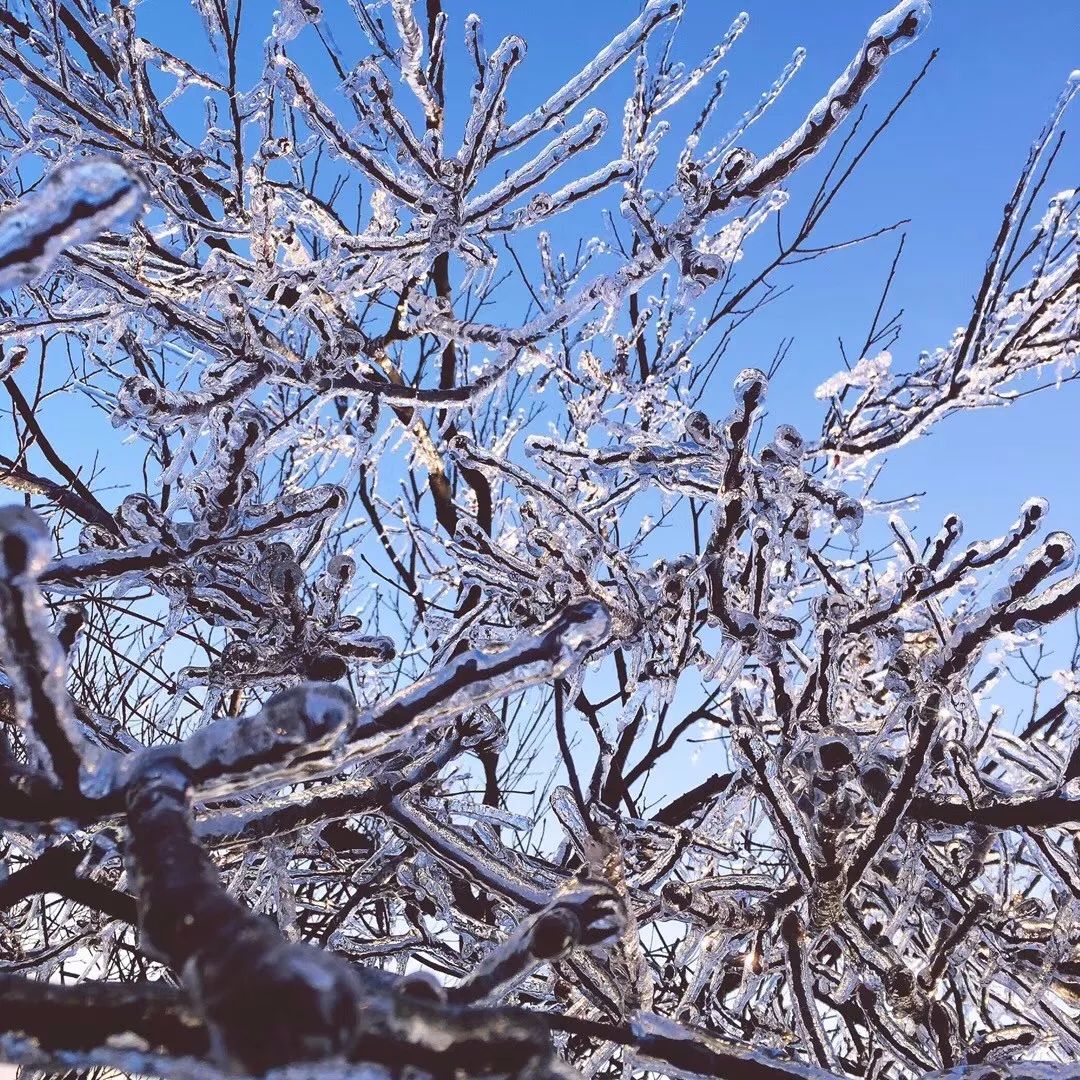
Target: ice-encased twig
column 32, row 657
column 594, row 73
column 586, row 915
column 314, row 728
column 267, row 1001
column 476, row 677
column 673, row 1049
column 85, row 1015
column 74, row 203
column 888, row 35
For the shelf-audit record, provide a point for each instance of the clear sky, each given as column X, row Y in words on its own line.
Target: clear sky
column 948, row 164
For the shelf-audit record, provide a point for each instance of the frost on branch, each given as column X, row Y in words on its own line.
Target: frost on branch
column 454, row 662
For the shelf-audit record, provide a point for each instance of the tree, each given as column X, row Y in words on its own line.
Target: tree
column 257, row 813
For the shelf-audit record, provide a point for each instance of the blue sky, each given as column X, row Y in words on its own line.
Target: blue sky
column 948, row 164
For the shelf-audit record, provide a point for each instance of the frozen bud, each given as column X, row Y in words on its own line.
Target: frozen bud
column 140, row 517
column 449, row 172
column 875, row 55
column 694, row 186
column 331, row 584
column 699, row 428
column 736, row 162
column 849, row 514
column 319, row 501
column 238, row 657
column 553, row 934
column 677, row 896
column 589, row 551
column 244, row 429
column 744, row 625
column 596, row 909
column 835, row 609
column 242, row 492
column 324, row 667
column 139, row 398
column 834, row 754
column 95, row 538
column 285, row 579
column 351, row 639
column 13, row 360
column 423, row 985
column 897, row 29
column 771, row 460
column 899, row 982
column 800, row 525
column 521, row 608
column 1030, row 907
column 904, row 669
column 1059, row 550
column 700, row 270
column 620, row 347
column 540, row 205
column 917, row 577
column 781, row 627
column 751, row 386
column 539, row 543
column 483, row 729
column 788, row 442
column 69, row 626
column 1033, row 511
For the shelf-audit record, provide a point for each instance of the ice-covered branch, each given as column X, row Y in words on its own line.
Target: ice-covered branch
column 594, row 73
column 34, row 661
column 85, row 1016
column 888, row 35
column 587, row 915
column 73, row 204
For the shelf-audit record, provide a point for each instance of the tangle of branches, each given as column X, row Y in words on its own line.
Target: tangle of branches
column 348, row 699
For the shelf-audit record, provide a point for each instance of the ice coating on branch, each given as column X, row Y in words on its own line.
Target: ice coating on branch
column 724, row 150
column 894, row 31
column 75, row 203
column 903, row 24
column 478, row 677
column 771, row 852
column 263, row 748
column 583, row 915
column 33, row 659
column 605, row 62
column 867, row 372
